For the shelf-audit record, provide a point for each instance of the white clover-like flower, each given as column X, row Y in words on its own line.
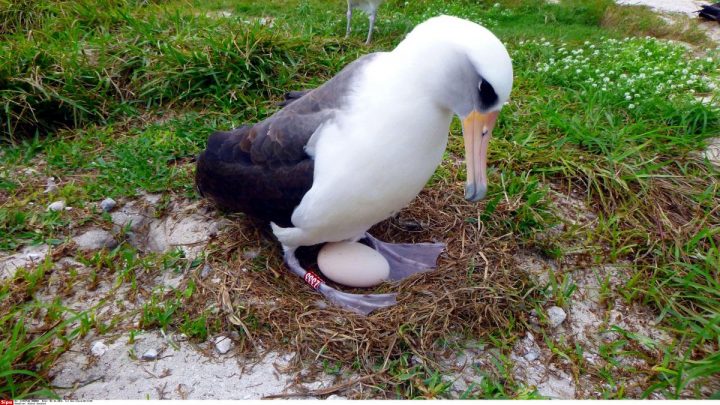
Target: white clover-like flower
column 631, row 106
column 628, row 98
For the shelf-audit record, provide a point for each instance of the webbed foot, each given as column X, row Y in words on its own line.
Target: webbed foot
column 407, row 259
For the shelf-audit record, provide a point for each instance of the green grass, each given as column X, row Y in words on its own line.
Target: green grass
column 114, row 97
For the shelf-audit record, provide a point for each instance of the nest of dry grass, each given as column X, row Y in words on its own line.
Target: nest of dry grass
column 475, row 290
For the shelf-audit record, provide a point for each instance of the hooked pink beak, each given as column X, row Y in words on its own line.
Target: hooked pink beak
column 477, row 130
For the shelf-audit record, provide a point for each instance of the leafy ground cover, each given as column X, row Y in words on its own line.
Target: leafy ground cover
column 611, row 109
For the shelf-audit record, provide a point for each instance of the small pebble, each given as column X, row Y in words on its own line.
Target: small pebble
column 98, row 349
column 590, row 358
column 50, row 186
column 205, row 271
column 107, row 204
column 334, row 397
column 213, row 230
column 532, row 356
column 151, row 354
column 95, row 239
column 556, row 316
column 34, row 256
column 223, row 344
column 56, row 206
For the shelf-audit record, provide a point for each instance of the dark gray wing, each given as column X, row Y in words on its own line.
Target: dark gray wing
column 263, row 170
column 291, row 96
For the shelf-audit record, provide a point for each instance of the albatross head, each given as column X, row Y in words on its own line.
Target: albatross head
column 478, row 77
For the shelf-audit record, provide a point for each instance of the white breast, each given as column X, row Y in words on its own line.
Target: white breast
column 371, row 163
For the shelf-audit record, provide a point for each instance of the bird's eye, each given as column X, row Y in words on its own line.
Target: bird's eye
column 488, row 97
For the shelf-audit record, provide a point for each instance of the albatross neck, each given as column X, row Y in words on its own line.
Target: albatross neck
column 438, row 71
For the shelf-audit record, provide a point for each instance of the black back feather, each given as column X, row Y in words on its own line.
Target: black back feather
column 263, row 170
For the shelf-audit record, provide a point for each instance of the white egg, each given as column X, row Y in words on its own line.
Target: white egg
column 353, row 264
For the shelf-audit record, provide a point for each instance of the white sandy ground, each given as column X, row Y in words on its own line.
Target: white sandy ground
column 180, row 371
column 688, row 7
column 110, row 367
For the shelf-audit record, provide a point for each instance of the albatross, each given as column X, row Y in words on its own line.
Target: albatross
column 340, row 158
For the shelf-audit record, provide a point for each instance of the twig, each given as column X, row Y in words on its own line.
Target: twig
column 487, row 264
column 76, row 386
column 323, row 391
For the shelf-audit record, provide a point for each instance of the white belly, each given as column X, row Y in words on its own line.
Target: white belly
column 364, row 176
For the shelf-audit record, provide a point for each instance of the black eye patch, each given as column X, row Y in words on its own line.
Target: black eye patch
column 488, row 97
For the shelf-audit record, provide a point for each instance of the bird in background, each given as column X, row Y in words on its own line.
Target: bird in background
column 369, row 7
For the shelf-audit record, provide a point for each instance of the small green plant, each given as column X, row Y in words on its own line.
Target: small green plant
column 158, row 312
column 196, row 328
column 416, row 380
